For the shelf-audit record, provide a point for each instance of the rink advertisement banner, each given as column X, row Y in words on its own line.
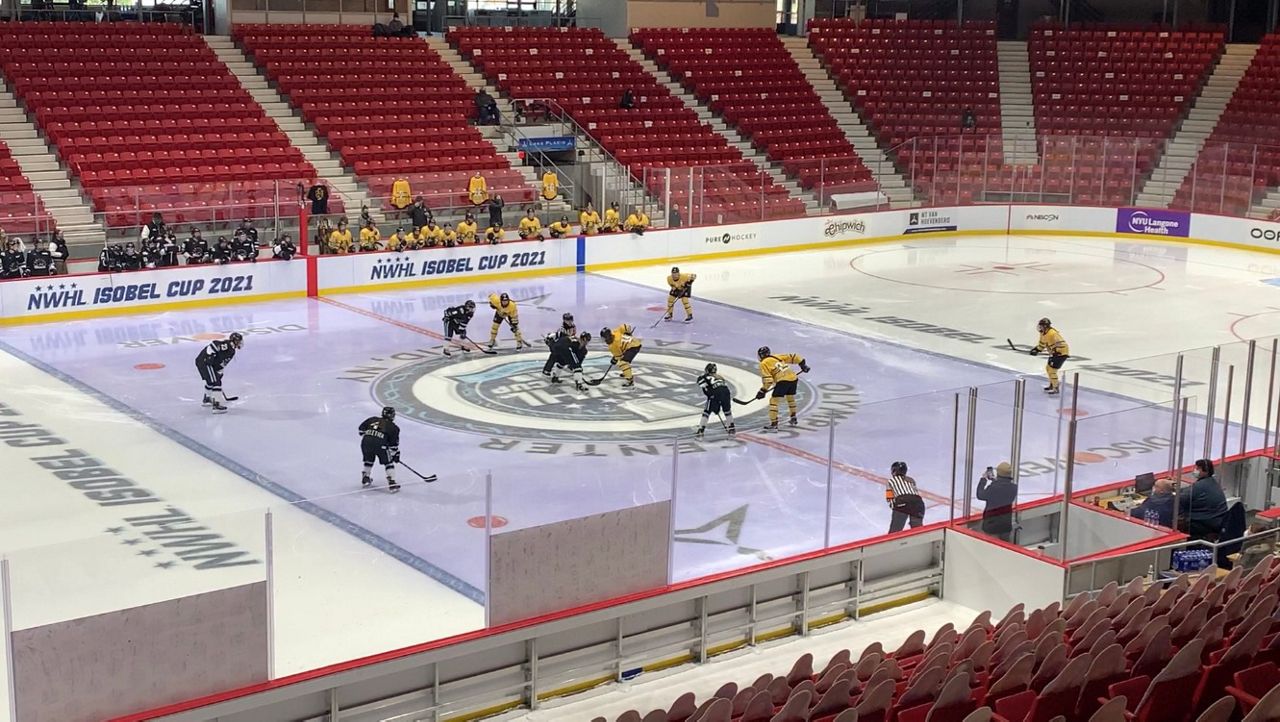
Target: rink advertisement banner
column 1260, row 234
column 1153, row 222
column 441, row 265
column 103, row 293
column 1061, row 219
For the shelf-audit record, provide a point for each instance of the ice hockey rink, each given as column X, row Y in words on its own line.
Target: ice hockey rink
column 892, row 331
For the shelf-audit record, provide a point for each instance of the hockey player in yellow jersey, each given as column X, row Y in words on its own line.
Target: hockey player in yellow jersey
column 612, row 219
column 682, row 288
column 776, row 374
column 530, row 226
column 589, row 220
column 431, row 235
column 560, row 228
column 370, row 238
column 401, row 240
column 504, row 309
column 1052, row 343
column 467, row 229
column 623, row 348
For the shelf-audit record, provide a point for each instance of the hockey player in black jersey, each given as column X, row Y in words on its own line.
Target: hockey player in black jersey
column 568, row 352
column 567, row 327
column 40, row 261
column 13, row 262
column 456, row 319
column 196, row 249
column 719, row 398
column 380, row 440
column 211, row 362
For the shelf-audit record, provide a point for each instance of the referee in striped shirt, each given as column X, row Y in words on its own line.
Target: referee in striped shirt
column 904, row 498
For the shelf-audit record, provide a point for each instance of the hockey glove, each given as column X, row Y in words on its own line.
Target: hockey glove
column 395, row 455
column 760, row 394
column 613, row 361
column 804, row 367
column 1034, row 352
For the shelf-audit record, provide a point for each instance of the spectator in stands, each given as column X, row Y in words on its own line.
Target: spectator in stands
column 1202, row 509
column 968, row 121
column 370, row 237
column 496, row 204
column 40, row 261
column 486, row 108
column 589, row 220
column 637, row 221
column 612, row 219
column 419, row 214
column 904, row 498
column 196, row 249
column 284, row 248
column 13, row 262
column 58, row 247
column 319, row 197
column 628, row 100
column 1158, row 508
column 339, row 240
column 530, row 226
column 998, row 490
column 394, row 29
column 365, row 216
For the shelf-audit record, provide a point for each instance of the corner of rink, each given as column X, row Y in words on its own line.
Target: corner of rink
column 105, row 511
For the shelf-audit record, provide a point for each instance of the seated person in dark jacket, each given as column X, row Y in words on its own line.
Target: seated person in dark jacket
column 1202, row 508
column 1158, row 508
column 998, row 490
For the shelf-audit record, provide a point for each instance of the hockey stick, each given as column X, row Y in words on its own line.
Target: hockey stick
column 481, row 349
column 722, row 424
column 1011, row 346
column 413, row 471
column 603, row 376
column 230, row 398
column 740, row 402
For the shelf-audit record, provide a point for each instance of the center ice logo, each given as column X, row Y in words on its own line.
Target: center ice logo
column 508, row 397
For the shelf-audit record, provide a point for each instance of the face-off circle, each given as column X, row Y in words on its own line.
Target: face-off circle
column 507, row 396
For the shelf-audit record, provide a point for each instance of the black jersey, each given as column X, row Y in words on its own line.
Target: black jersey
column 712, row 385
column 459, row 315
column 217, row 354
column 377, row 430
column 284, row 249
column 13, row 264
column 222, row 253
column 197, row 250
column 152, row 251
column 131, row 260
column 40, row 263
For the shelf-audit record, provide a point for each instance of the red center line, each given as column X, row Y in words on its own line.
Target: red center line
column 853, row 471
column 385, row 319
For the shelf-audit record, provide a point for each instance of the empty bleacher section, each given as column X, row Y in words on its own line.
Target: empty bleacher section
column 585, row 73
column 148, row 119
column 1108, row 98
column 1193, row 649
column 749, row 78
column 911, row 81
column 1240, row 162
column 412, row 123
column 20, row 208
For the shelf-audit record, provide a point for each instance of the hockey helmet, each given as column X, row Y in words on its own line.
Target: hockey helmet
column 675, row 270
column 236, row 339
column 504, row 299
column 1044, row 324
column 388, row 413
column 584, row 337
column 898, row 468
column 710, row 369
column 567, row 317
column 606, row 334
column 469, row 305
column 763, row 352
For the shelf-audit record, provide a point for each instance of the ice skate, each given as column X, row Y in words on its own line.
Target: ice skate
column 733, row 430
column 1051, row 390
column 697, row 435
column 208, row 400
column 666, row 317
column 580, row 386
column 365, row 481
column 688, row 319
column 627, row 383
column 492, row 345
column 555, row 379
column 771, row 428
column 445, row 350
column 523, row 344
column 218, row 407
column 393, row 487
column 793, row 421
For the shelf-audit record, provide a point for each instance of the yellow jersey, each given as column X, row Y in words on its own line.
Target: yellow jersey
column 637, row 220
column 369, row 238
column 401, row 196
column 340, row 242
column 611, row 220
column 399, row 241
column 467, row 231
column 590, row 221
column 550, row 185
column 680, row 282
column 509, row 311
column 777, row 368
column 530, row 227
column 494, row 234
column 449, row 237
column 623, row 340
column 560, row 229
column 1054, row 343
column 431, row 234
column 478, row 189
